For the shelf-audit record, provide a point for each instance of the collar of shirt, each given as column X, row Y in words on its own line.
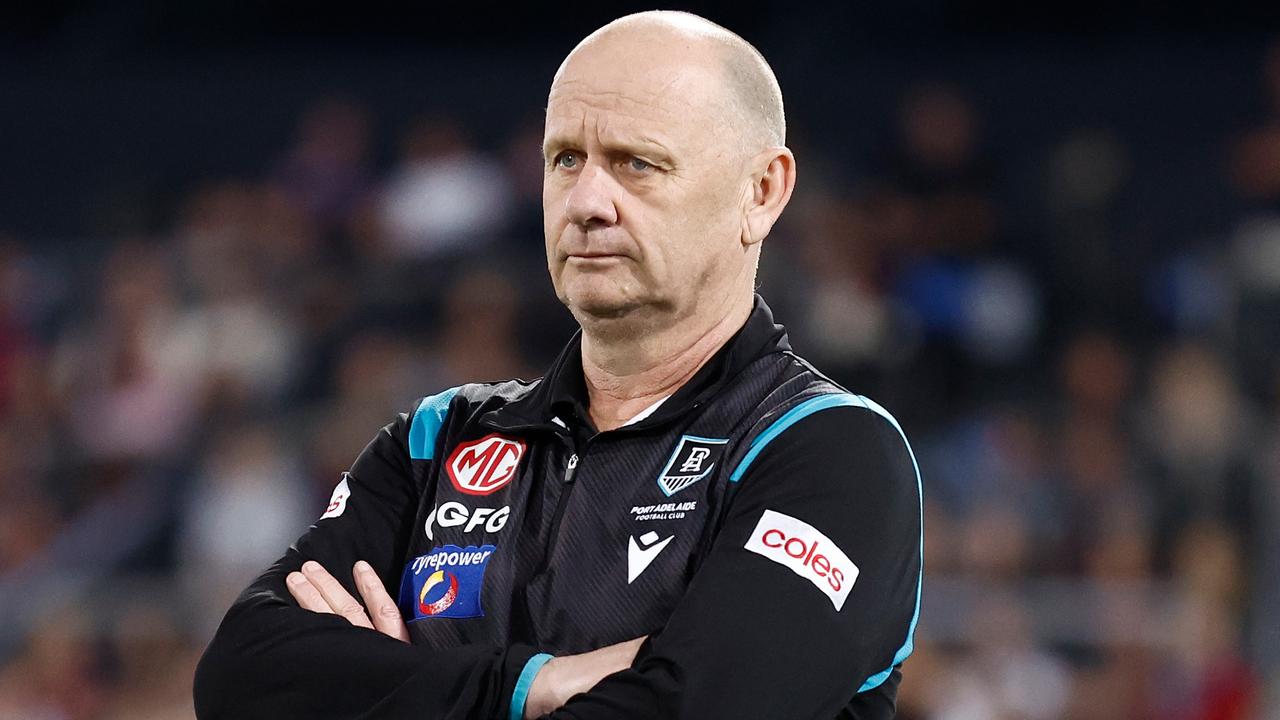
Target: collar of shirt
column 562, row 392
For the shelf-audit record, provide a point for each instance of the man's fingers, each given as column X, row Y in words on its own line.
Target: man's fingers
column 336, row 596
column 382, row 610
column 305, row 593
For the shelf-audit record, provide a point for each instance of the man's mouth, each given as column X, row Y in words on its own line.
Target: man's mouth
column 589, row 256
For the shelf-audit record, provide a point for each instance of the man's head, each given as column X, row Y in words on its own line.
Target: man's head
column 665, row 168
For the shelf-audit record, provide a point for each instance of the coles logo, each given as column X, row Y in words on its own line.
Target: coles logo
column 482, row 466
column 801, row 548
column 445, row 582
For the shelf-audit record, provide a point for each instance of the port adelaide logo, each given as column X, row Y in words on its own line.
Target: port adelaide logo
column 694, row 459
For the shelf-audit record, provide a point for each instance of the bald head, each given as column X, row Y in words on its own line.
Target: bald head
column 665, row 169
column 752, row 97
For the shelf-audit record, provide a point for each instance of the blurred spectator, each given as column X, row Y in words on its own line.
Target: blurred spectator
column 1200, row 437
column 61, row 674
column 327, row 171
column 127, row 379
column 480, row 337
column 939, row 166
column 443, row 194
column 248, row 502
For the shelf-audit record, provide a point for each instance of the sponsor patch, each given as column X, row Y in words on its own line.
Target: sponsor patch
column 663, row 511
column 445, row 583
column 454, row 514
column 480, row 467
column 808, row 553
column 692, row 460
column 641, row 554
column 338, row 500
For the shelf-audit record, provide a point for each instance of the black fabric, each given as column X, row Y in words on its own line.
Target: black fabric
column 733, row 634
column 748, row 638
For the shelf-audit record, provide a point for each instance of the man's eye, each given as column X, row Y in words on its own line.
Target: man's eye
column 567, row 160
column 639, row 165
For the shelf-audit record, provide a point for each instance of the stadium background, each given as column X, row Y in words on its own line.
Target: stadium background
column 234, row 241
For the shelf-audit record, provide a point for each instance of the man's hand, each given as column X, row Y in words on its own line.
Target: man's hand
column 318, row 591
column 563, row 677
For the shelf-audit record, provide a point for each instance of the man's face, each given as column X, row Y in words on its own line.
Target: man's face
column 644, row 181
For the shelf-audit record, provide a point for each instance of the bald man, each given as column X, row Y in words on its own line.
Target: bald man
column 681, row 519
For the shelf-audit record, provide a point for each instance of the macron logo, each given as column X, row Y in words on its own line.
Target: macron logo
column 803, row 550
column 640, row 555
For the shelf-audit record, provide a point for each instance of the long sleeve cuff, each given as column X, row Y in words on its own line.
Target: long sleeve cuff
column 521, row 693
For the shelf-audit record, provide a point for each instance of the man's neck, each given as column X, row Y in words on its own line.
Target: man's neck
column 625, row 375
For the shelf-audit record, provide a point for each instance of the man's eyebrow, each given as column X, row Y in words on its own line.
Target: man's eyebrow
column 647, row 146
column 650, row 144
column 553, row 143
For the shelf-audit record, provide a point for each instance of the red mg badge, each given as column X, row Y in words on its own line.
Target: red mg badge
column 480, row 467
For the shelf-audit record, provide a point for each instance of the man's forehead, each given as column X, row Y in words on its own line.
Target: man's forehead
column 661, row 100
column 655, row 81
column 573, row 98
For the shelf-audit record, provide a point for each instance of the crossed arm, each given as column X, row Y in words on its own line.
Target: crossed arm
column 749, row 639
column 560, row 679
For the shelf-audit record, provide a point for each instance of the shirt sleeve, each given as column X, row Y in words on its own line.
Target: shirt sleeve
column 272, row 659
column 806, row 604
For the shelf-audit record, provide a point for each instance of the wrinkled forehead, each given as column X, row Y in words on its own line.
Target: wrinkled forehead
column 656, row 96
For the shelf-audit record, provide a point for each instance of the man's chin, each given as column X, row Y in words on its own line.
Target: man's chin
column 590, row 306
column 596, row 304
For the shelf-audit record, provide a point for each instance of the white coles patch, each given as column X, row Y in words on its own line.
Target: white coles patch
column 808, row 553
column 338, row 501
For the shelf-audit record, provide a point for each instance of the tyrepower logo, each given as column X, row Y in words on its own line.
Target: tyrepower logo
column 445, row 582
column 808, row 553
column 482, row 466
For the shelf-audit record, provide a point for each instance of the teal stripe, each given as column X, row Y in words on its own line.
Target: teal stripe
column 426, row 424
column 521, row 694
column 791, row 417
column 909, row 644
column 800, row 412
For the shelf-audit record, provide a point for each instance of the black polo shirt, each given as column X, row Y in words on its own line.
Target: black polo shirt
column 762, row 527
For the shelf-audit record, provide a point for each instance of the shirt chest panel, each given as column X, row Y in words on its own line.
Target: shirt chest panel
column 627, row 544
column 466, row 516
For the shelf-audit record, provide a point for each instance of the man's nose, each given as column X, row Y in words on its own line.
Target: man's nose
column 591, row 199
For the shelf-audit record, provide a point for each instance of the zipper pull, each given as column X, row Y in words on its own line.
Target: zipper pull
column 568, row 471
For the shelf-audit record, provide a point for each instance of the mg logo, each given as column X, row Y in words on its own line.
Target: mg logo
column 482, row 466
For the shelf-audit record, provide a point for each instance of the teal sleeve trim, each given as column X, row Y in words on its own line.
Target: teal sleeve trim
column 521, row 694
column 909, row 644
column 804, row 410
column 791, row 417
column 426, row 424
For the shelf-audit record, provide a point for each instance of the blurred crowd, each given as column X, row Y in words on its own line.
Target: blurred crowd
column 1097, row 414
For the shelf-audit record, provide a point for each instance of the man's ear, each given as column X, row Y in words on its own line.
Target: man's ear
column 773, row 177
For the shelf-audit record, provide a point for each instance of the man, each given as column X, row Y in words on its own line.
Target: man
column 682, row 519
